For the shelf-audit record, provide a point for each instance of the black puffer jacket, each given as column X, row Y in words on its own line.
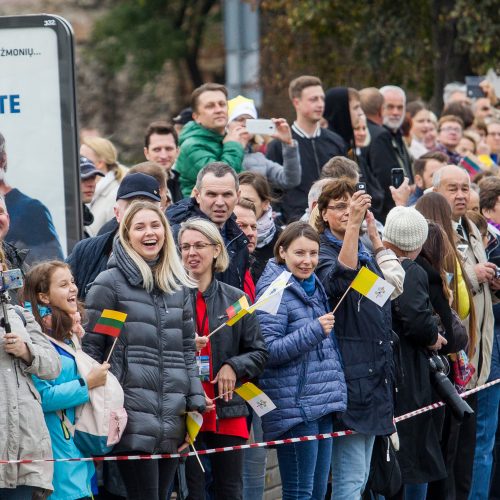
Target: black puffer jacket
column 240, row 346
column 88, row 259
column 236, row 241
column 154, row 358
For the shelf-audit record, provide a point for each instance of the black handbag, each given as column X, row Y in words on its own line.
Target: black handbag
column 385, row 475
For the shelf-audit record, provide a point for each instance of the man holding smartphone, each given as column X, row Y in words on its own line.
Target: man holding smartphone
column 202, row 140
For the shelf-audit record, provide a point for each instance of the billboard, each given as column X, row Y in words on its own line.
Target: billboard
column 39, row 172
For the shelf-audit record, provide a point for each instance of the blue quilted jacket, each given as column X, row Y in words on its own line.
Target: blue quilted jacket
column 303, row 376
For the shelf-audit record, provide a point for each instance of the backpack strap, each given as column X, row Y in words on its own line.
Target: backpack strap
column 20, row 314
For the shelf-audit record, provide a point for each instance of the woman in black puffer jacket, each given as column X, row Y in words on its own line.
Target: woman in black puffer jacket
column 154, row 358
column 231, row 357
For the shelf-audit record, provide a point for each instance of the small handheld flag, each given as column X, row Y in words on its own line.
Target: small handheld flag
column 257, row 399
column 373, row 287
column 237, row 311
column 110, row 323
column 270, row 300
column 472, row 167
column 194, row 421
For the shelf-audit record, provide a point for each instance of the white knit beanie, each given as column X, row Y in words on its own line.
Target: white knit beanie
column 406, row 228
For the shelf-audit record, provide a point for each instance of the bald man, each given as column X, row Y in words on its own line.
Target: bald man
column 454, row 184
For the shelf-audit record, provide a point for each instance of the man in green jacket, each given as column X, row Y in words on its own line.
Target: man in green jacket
column 204, row 140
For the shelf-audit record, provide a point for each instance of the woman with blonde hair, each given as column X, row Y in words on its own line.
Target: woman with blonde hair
column 103, row 154
column 154, row 357
column 233, row 355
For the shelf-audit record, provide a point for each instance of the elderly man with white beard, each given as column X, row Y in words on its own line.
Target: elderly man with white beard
column 385, row 110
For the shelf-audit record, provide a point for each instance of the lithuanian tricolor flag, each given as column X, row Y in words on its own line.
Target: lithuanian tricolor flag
column 237, row 310
column 110, row 323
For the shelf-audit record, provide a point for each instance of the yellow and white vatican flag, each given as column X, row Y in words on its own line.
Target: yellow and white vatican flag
column 257, row 399
column 373, row 287
column 270, row 300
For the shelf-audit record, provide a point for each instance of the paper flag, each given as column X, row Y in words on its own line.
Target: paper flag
column 257, row 399
column 373, row 287
column 110, row 323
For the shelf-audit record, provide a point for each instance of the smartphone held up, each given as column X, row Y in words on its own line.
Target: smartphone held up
column 397, row 177
column 261, row 127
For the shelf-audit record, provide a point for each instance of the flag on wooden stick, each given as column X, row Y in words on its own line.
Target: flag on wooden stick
column 270, row 300
column 110, row 323
column 236, row 311
column 373, row 287
column 194, row 421
column 257, row 399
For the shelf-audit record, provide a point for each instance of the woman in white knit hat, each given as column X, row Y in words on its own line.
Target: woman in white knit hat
column 363, row 330
column 420, row 456
column 286, row 176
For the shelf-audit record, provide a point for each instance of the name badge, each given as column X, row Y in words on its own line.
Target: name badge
column 203, row 364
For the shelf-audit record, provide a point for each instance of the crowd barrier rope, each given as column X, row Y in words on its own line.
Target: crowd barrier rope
column 264, row 444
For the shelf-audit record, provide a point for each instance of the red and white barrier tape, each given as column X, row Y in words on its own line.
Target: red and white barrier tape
column 264, row 444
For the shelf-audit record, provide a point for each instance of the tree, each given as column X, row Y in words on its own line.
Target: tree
column 146, row 33
column 419, row 44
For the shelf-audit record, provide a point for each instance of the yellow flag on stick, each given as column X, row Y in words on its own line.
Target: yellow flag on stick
column 194, row 421
column 373, row 287
column 257, row 399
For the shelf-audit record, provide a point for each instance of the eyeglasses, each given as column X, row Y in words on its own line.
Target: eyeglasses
column 457, row 130
column 341, row 207
column 198, row 246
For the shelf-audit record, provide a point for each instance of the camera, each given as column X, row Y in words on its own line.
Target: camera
column 497, row 272
column 361, row 186
column 445, row 389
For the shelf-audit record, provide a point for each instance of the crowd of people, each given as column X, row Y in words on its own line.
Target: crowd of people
column 361, row 179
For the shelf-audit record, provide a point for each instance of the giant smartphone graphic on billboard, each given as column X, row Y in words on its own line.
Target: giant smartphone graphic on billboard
column 39, row 173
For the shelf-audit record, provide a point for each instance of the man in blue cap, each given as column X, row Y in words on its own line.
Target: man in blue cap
column 88, row 182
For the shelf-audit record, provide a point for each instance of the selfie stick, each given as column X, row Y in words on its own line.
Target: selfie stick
column 4, row 300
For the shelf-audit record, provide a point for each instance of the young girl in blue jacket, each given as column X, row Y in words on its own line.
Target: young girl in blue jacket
column 304, row 376
column 51, row 293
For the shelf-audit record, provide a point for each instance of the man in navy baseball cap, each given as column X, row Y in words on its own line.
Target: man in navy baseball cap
column 88, row 182
column 138, row 185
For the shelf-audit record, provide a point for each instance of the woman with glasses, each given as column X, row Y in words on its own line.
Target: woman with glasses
column 362, row 328
column 233, row 355
column 154, row 356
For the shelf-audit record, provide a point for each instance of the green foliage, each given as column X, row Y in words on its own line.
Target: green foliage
column 143, row 34
column 374, row 42
column 139, row 32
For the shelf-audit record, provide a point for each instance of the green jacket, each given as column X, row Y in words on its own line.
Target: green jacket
column 199, row 146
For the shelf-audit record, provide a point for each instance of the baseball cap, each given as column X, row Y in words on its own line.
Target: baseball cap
column 240, row 106
column 139, row 184
column 88, row 169
column 185, row 116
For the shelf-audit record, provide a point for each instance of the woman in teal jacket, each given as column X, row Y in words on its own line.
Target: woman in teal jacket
column 50, row 292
